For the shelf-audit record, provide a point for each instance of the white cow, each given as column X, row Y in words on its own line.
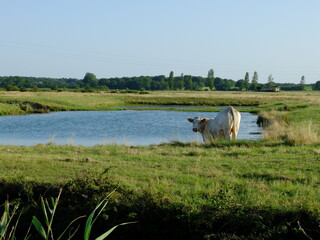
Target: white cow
column 225, row 125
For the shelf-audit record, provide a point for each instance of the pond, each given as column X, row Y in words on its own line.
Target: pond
column 130, row 127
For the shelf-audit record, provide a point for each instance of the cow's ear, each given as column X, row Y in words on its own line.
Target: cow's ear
column 203, row 120
column 190, row 119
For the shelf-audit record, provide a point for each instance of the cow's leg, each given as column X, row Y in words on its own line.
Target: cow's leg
column 204, row 139
column 234, row 133
column 221, row 133
column 227, row 133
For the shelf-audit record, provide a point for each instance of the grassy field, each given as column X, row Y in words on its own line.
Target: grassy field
column 205, row 190
column 187, row 173
column 265, row 189
column 104, row 101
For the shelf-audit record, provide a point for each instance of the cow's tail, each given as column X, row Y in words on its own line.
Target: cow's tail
column 231, row 110
column 234, row 122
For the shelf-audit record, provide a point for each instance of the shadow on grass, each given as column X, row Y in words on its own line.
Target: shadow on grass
column 219, row 216
column 265, row 177
column 223, row 143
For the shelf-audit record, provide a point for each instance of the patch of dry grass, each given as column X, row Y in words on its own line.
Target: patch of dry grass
column 306, row 133
column 268, row 118
column 277, row 128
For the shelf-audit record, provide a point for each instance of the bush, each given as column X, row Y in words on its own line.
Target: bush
column 88, row 90
column 12, row 88
column 23, row 89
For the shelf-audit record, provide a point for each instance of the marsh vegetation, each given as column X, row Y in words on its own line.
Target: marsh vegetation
column 244, row 189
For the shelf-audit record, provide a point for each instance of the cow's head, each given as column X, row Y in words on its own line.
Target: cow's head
column 198, row 123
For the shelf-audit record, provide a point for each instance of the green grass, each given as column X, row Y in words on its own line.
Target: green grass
column 191, row 179
column 9, row 109
column 71, row 101
column 65, row 101
column 254, row 176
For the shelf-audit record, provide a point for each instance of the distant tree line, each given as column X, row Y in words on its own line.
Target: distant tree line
column 161, row 82
column 316, row 86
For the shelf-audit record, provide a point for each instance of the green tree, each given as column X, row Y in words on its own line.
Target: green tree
column 90, row 80
column 210, row 79
column 171, row 80
column 246, row 81
column 254, row 82
column 35, row 88
column 103, row 82
column 146, row 83
column 240, row 84
column 229, row 84
column 270, row 80
column 316, row 86
column 181, row 81
column 54, row 87
column 189, row 83
column 302, row 82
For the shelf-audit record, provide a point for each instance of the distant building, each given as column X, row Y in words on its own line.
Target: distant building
column 270, row 89
column 205, row 89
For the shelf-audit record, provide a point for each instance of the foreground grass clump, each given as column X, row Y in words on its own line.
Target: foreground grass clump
column 228, row 190
column 45, row 230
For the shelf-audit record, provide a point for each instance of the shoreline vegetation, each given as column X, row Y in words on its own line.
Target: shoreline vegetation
column 231, row 190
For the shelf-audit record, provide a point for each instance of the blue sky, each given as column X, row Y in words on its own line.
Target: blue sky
column 133, row 38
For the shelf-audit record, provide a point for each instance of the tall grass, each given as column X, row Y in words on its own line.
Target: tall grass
column 276, row 127
column 305, row 133
column 7, row 228
column 45, row 230
column 49, row 209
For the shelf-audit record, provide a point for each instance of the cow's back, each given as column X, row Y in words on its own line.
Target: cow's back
column 220, row 122
column 225, row 118
column 228, row 121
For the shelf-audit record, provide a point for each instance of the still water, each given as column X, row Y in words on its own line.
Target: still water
column 129, row 127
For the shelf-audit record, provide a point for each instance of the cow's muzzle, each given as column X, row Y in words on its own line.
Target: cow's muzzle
column 195, row 130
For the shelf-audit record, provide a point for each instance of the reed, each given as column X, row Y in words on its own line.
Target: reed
column 45, row 230
column 7, row 229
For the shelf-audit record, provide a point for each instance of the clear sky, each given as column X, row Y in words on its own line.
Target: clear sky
column 117, row 38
